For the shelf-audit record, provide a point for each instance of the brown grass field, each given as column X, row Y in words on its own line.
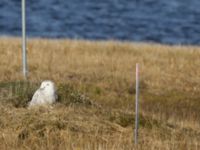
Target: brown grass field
column 96, row 86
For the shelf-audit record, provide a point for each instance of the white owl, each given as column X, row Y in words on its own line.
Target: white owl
column 46, row 94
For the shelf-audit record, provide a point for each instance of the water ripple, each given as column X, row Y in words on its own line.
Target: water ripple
column 172, row 21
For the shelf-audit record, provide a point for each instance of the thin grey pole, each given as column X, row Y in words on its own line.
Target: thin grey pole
column 24, row 59
column 136, row 103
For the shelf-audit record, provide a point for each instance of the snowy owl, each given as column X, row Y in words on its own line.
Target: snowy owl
column 46, row 94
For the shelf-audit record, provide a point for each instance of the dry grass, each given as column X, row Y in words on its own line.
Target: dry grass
column 96, row 87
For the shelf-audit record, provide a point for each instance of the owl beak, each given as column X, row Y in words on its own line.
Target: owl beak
column 42, row 88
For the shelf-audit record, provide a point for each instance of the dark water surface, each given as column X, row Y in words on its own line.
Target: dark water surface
column 163, row 21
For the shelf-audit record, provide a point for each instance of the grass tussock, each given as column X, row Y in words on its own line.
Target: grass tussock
column 95, row 83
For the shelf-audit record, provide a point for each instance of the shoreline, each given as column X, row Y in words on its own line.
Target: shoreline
column 100, row 41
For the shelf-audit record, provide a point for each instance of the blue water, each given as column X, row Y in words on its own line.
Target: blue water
column 162, row 21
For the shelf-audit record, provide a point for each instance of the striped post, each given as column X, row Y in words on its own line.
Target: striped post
column 136, row 104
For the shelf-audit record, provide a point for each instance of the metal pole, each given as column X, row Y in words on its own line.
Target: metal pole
column 24, row 60
column 136, row 103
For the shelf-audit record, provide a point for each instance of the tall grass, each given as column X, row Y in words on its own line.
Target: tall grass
column 95, row 82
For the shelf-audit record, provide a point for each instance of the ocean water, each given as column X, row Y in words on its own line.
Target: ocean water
column 161, row 21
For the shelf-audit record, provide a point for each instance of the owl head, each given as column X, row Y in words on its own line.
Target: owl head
column 48, row 86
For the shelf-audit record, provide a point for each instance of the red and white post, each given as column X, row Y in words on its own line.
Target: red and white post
column 136, row 103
